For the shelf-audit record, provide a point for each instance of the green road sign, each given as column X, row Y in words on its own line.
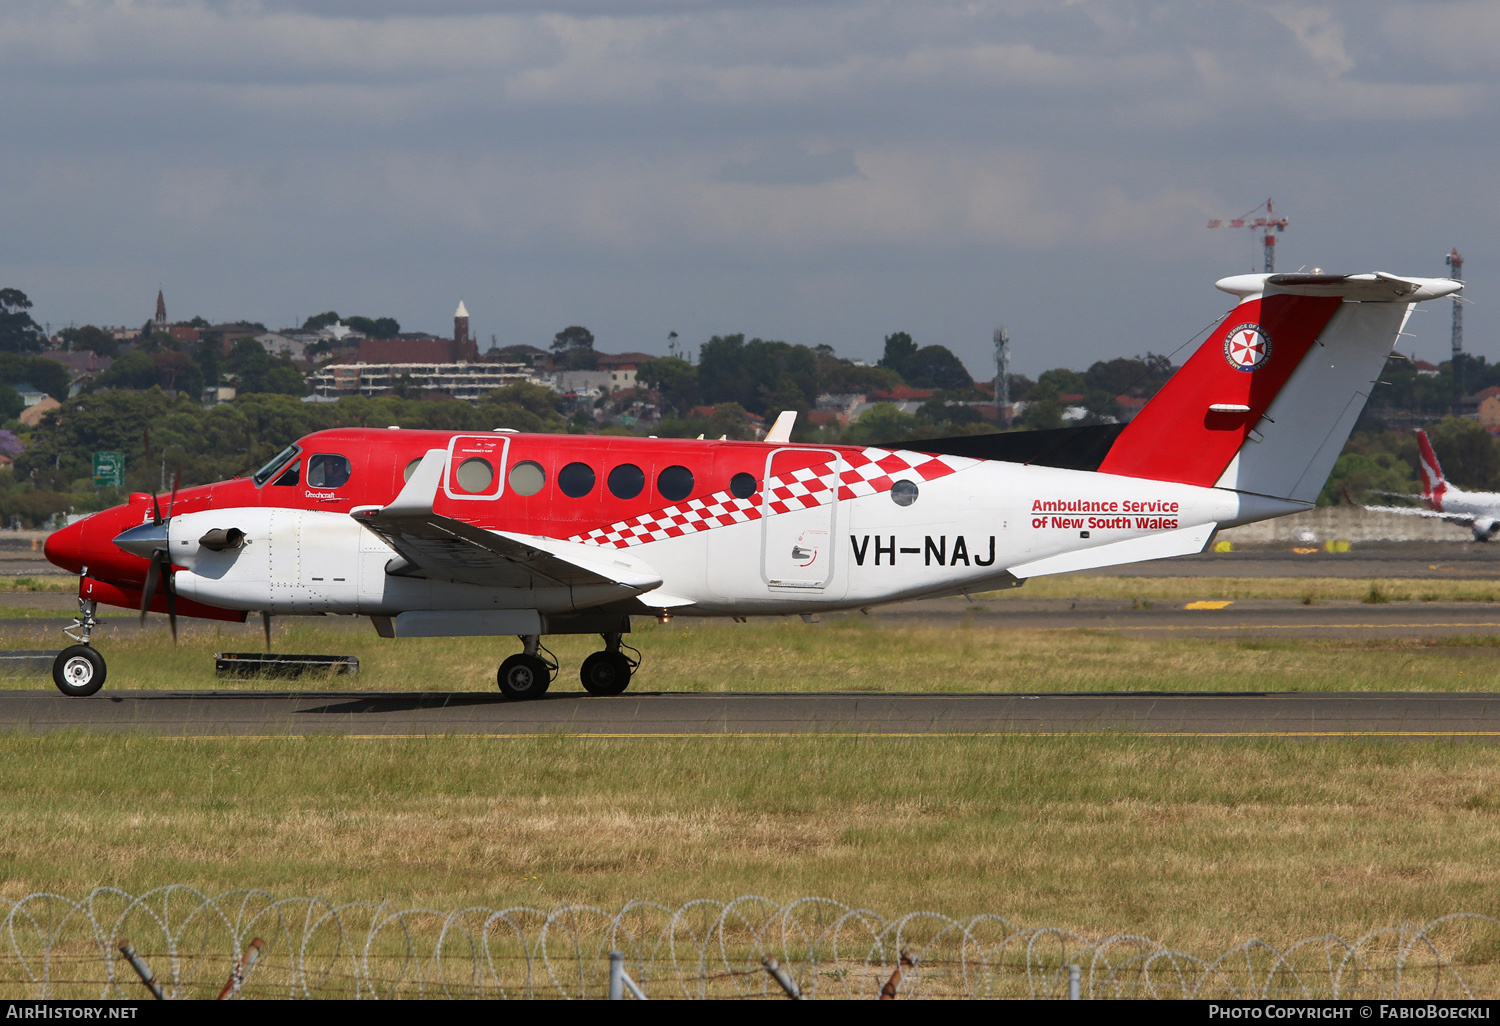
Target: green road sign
column 109, row 470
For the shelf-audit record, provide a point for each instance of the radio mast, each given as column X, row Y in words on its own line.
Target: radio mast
column 1455, row 262
column 1003, row 407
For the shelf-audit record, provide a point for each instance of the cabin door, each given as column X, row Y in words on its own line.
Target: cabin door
column 799, row 506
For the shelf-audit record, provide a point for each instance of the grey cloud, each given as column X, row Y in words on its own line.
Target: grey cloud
column 792, row 165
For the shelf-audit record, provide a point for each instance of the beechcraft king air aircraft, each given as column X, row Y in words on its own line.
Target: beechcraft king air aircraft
column 441, row 533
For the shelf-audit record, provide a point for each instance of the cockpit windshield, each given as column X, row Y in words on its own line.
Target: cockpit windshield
column 278, row 461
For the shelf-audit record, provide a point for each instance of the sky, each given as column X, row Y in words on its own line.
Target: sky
column 817, row 172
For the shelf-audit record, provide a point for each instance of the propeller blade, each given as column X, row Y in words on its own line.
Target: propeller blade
column 153, row 578
column 176, row 480
column 171, row 594
column 265, row 622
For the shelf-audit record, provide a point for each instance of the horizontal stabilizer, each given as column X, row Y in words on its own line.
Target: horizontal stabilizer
column 1181, row 542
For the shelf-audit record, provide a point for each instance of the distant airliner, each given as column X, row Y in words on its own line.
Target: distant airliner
column 1478, row 511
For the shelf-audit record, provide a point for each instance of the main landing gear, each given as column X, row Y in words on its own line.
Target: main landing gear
column 79, row 670
column 529, row 673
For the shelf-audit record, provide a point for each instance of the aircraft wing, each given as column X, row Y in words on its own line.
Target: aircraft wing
column 441, row 548
column 1413, row 511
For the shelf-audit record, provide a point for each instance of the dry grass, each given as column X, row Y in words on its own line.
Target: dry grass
column 850, row 654
column 1197, row 844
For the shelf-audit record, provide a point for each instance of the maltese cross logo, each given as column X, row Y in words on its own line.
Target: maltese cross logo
column 1247, row 348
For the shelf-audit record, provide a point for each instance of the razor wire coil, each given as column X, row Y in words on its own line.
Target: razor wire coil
column 55, row 947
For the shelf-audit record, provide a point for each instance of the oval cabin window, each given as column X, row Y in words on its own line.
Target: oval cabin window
column 576, row 480
column 527, row 478
column 675, row 483
column 626, row 481
column 742, row 485
column 475, row 475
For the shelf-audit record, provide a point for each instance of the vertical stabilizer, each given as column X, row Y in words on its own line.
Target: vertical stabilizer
column 1267, row 402
column 1434, row 484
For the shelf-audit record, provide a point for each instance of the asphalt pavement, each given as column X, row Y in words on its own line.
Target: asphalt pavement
column 1473, row 716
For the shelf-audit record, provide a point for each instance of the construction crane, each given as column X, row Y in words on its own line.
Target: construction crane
column 1268, row 222
column 1455, row 262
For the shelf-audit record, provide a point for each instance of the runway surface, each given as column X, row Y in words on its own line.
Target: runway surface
column 1474, row 716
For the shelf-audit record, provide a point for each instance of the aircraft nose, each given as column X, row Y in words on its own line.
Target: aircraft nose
column 143, row 539
column 64, row 547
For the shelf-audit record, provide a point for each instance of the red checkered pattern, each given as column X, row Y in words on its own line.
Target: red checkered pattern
column 865, row 472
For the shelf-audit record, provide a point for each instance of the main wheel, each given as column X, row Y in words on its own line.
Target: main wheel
column 78, row 671
column 524, row 676
column 605, row 673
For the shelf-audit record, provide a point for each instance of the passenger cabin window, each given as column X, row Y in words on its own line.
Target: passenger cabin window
column 675, row 483
column 527, row 478
column 742, row 485
column 626, row 481
column 576, row 480
column 292, row 477
column 475, row 475
column 327, row 470
column 411, row 468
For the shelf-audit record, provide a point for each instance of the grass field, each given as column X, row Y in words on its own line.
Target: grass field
column 846, row 654
column 1195, row 844
column 1198, row 844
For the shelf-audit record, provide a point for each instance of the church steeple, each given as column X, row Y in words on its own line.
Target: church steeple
column 161, row 311
column 465, row 348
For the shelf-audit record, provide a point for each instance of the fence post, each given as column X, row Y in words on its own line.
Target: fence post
column 1075, row 990
column 142, row 970
column 781, row 976
column 616, row 971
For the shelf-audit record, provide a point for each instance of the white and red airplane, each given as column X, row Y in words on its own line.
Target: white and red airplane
column 442, row 533
column 1478, row 511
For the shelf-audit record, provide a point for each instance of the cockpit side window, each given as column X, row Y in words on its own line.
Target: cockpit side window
column 292, row 477
column 327, row 470
column 276, row 462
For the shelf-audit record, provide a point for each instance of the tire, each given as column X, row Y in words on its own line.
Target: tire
column 605, row 673
column 78, row 671
column 523, row 676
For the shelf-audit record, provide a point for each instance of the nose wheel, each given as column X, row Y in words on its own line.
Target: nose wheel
column 78, row 671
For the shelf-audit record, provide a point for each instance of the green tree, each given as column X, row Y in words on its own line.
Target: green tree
column 842, row 377
column 38, row 371
column 880, row 424
column 256, row 370
column 317, row 322
column 11, row 403
column 134, row 370
column 1043, row 410
column 574, row 346
column 92, row 339
column 899, row 351
column 1466, row 451
column 674, row 378
column 1138, row 376
column 18, row 332
column 936, row 367
column 751, row 373
column 375, row 327
column 1361, row 475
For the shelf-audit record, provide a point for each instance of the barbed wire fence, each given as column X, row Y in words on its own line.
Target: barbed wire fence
column 249, row 944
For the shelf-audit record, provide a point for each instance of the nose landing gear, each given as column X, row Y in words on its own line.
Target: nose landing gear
column 79, row 670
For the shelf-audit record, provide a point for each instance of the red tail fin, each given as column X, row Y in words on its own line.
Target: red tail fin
column 1194, row 426
column 1434, row 484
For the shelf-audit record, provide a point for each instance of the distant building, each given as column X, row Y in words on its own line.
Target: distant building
column 34, row 412
column 1425, row 369
column 184, row 333
column 1468, row 406
column 1489, row 414
column 460, row 380
column 159, row 323
column 622, row 368
column 83, row 366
